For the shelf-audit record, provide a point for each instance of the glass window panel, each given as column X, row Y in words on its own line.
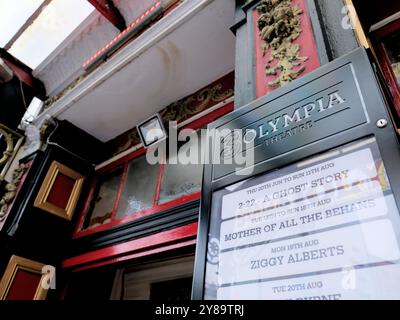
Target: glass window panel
column 13, row 15
column 183, row 179
column 139, row 189
column 55, row 23
column 392, row 48
column 104, row 198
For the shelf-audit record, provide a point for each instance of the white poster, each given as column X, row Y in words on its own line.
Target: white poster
column 319, row 232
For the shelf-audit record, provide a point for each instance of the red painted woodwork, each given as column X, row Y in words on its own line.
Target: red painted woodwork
column 158, row 185
column 61, row 190
column 108, row 10
column 118, row 37
column 305, row 40
column 131, row 257
column 24, row 285
column 85, row 208
column 378, row 38
column 203, row 121
column 199, row 123
column 163, row 241
column 138, row 215
column 387, row 30
column 123, row 161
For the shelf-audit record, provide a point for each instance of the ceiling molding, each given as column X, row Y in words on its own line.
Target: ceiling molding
column 152, row 36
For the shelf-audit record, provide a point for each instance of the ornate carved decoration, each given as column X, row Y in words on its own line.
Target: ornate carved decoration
column 183, row 109
column 50, row 101
column 46, row 129
column 10, row 189
column 279, row 25
column 10, row 145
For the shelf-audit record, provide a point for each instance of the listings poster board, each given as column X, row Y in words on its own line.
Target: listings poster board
column 326, row 228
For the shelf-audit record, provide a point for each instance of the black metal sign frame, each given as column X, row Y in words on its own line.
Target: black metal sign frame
column 360, row 117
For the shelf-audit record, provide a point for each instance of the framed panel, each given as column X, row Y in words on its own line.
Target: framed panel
column 162, row 241
column 60, row 191
column 124, row 202
column 22, row 280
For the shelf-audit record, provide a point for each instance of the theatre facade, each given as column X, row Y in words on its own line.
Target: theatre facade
column 309, row 93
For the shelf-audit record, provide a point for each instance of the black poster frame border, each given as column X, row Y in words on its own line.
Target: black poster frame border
column 377, row 109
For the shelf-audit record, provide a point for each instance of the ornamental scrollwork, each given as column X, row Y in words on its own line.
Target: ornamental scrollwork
column 279, row 24
column 10, row 190
column 8, row 137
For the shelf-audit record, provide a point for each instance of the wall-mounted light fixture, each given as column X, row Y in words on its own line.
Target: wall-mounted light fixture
column 152, row 131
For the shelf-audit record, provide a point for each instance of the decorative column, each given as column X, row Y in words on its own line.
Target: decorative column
column 279, row 41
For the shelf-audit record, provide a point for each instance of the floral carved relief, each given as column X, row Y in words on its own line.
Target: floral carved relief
column 183, row 109
column 279, row 24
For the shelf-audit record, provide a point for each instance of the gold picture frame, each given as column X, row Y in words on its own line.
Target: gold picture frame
column 42, row 199
column 13, row 266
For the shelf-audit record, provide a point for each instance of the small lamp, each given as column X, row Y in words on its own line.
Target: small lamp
column 152, row 131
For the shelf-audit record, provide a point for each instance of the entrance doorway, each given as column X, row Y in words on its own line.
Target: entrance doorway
column 166, row 278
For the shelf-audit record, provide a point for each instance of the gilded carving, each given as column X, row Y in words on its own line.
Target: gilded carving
column 50, row 101
column 10, row 146
column 132, row 139
column 279, row 25
column 10, row 190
